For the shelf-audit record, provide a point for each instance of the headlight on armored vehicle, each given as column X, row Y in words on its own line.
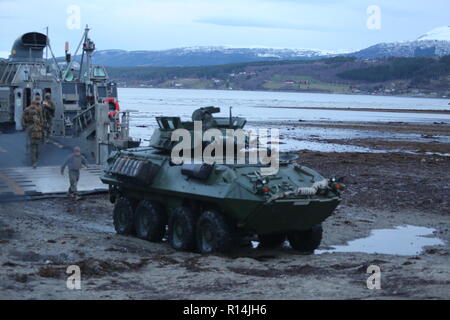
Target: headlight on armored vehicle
column 337, row 185
column 260, row 187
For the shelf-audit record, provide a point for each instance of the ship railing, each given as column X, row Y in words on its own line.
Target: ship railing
column 34, row 73
column 83, row 120
column 6, row 75
column 120, row 125
column 125, row 123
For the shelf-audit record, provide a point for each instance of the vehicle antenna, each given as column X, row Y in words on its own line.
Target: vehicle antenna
column 54, row 58
column 76, row 51
column 46, row 47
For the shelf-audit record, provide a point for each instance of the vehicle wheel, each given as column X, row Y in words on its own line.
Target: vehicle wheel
column 271, row 240
column 306, row 240
column 149, row 221
column 123, row 215
column 182, row 229
column 213, row 233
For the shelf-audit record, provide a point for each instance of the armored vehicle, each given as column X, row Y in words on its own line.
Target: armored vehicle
column 209, row 207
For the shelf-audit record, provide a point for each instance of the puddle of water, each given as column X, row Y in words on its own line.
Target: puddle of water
column 402, row 240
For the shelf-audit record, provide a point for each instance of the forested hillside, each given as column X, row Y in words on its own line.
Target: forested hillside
column 400, row 76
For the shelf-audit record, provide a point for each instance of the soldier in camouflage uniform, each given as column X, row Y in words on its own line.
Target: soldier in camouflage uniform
column 33, row 124
column 38, row 101
column 48, row 108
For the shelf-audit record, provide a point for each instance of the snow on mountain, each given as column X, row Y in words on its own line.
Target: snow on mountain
column 259, row 51
column 268, row 55
column 433, row 43
column 441, row 34
column 205, row 55
column 422, row 48
column 263, row 51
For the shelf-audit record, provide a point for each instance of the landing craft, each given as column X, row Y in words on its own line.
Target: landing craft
column 87, row 115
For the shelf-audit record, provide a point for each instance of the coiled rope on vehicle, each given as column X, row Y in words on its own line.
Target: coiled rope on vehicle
column 302, row 191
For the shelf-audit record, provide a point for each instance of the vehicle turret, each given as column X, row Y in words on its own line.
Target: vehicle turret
column 162, row 136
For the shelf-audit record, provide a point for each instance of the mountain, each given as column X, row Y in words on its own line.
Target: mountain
column 433, row 43
column 441, row 34
column 396, row 76
column 201, row 56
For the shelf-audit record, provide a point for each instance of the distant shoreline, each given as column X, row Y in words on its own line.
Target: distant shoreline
column 434, row 111
column 289, row 91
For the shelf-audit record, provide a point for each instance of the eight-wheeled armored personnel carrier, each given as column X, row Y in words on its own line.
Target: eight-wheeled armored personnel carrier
column 206, row 207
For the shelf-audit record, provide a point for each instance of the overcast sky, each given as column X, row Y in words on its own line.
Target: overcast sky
column 154, row 25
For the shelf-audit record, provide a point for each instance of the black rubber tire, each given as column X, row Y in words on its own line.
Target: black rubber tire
column 123, row 216
column 306, row 240
column 149, row 221
column 213, row 233
column 182, row 229
column 271, row 240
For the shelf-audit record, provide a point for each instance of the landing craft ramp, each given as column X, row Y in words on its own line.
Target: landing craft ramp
column 28, row 183
column 18, row 180
column 13, row 151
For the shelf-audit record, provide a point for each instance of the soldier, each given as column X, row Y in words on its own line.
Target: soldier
column 32, row 122
column 38, row 101
column 74, row 163
column 48, row 108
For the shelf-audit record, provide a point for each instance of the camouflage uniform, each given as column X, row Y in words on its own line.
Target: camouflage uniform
column 32, row 121
column 48, row 113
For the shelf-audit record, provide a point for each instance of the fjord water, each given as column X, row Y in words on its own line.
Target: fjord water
column 245, row 103
column 256, row 107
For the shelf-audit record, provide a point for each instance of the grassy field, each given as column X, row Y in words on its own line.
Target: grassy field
column 191, row 83
column 277, row 82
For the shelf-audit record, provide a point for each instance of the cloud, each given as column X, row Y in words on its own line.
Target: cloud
column 263, row 24
column 283, row 15
column 162, row 24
